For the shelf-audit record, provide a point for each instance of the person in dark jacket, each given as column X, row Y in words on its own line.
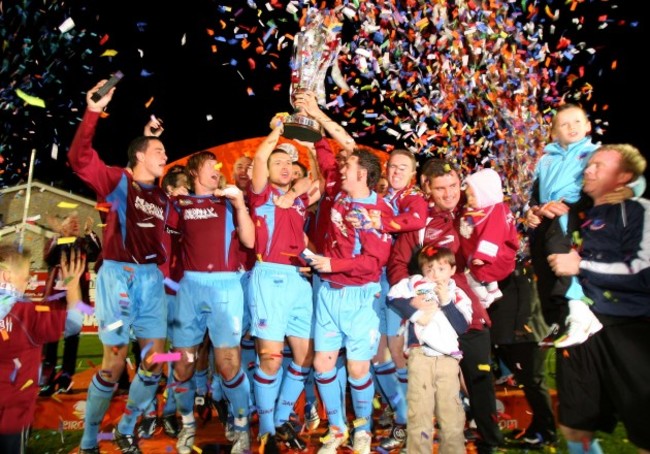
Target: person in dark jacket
column 606, row 378
column 515, row 340
column 68, row 236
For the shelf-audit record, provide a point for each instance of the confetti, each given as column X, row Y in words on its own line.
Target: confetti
column 165, row 357
column 104, row 206
column 115, row 325
column 171, row 284
column 27, row 384
column 66, row 25
column 359, row 422
column 84, row 308
column 105, row 436
column 145, row 350
column 68, row 205
column 31, row 100
column 109, row 53
column 14, row 373
column 464, row 80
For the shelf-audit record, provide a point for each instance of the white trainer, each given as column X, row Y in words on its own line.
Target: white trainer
column 362, row 442
column 241, row 442
column 581, row 324
column 332, row 441
column 186, row 439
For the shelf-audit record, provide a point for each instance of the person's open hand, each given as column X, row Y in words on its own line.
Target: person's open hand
column 73, row 265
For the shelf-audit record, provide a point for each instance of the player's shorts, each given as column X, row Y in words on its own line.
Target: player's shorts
column 212, row 302
column 389, row 320
column 130, row 296
column 606, row 379
column 281, row 302
column 345, row 317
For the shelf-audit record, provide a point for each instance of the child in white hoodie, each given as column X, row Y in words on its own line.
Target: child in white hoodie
column 488, row 235
column 436, row 312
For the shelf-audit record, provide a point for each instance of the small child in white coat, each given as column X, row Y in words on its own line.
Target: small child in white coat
column 436, row 312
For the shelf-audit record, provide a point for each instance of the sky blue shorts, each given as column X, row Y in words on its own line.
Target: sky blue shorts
column 389, row 320
column 212, row 302
column 129, row 297
column 281, row 302
column 246, row 325
column 345, row 317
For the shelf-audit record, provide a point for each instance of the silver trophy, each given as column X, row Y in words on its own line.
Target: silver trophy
column 315, row 48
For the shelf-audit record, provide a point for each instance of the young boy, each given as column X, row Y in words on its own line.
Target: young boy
column 24, row 328
column 554, row 205
column 437, row 312
column 488, row 235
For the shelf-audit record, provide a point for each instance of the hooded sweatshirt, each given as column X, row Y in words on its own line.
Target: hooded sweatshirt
column 488, row 231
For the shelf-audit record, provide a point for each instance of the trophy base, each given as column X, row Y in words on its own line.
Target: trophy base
column 301, row 127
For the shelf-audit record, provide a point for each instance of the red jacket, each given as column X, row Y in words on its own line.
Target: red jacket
column 357, row 254
column 441, row 230
column 410, row 209
column 24, row 330
column 489, row 234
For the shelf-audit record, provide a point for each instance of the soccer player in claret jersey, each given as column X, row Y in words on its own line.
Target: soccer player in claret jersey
column 280, row 296
column 130, row 291
column 350, row 270
column 212, row 222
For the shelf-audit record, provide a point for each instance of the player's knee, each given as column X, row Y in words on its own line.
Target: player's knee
column 183, row 371
column 358, row 369
column 270, row 363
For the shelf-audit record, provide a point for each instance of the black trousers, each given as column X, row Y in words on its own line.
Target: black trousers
column 69, row 362
column 549, row 239
column 13, row 443
column 527, row 362
column 477, row 348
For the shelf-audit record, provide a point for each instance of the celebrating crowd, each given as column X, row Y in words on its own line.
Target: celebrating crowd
column 341, row 287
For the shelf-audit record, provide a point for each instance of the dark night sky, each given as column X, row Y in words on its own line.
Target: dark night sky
column 189, row 82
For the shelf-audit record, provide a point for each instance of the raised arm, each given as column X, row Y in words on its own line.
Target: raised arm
column 260, row 162
column 307, row 101
column 72, row 267
column 83, row 158
column 314, row 168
